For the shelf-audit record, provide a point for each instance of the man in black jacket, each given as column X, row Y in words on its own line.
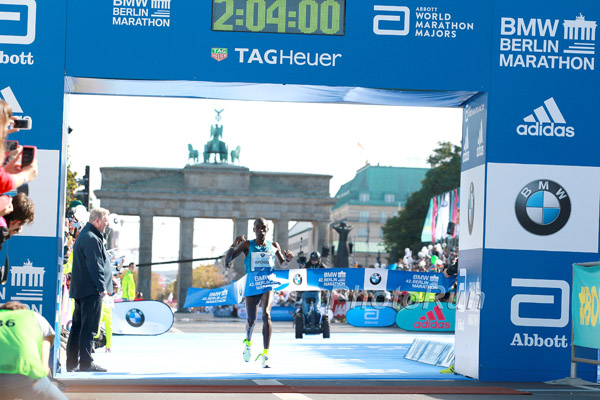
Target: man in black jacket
column 91, row 280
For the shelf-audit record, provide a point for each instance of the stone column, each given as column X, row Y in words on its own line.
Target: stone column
column 320, row 234
column 144, row 283
column 240, row 226
column 280, row 233
column 186, row 252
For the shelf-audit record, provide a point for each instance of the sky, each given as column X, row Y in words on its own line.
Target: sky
column 329, row 139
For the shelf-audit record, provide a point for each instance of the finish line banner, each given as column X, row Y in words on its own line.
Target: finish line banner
column 586, row 305
column 301, row 280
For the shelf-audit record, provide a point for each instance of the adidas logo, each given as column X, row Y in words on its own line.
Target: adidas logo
column 480, row 140
column 434, row 319
column 466, row 153
column 546, row 120
column 11, row 99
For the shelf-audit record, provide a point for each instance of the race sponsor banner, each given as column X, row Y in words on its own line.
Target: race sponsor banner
column 278, row 313
column 318, row 279
column 144, row 317
column 585, row 305
column 371, row 316
column 427, row 317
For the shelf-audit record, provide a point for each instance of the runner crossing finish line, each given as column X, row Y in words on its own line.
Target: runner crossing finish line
column 302, row 280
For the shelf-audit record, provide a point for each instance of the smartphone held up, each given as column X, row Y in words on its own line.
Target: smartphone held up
column 22, row 124
column 28, row 155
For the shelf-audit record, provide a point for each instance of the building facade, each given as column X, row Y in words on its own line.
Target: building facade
column 366, row 202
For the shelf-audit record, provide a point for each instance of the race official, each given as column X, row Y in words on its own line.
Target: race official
column 91, row 280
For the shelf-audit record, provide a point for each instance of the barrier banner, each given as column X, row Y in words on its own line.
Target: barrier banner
column 301, row 280
column 427, row 317
column 371, row 316
column 585, row 306
column 145, row 317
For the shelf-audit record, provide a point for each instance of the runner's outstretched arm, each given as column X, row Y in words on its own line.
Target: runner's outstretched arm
column 240, row 244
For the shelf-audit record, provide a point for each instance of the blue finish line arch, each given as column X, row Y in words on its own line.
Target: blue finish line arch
column 525, row 74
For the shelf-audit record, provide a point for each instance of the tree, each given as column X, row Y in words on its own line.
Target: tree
column 204, row 276
column 72, row 185
column 404, row 230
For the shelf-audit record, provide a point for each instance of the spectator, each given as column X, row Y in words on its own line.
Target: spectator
column 128, row 283
column 22, row 213
column 12, row 175
column 91, row 280
column 25, row 341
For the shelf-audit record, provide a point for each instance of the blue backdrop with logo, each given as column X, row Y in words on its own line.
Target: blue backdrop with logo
column 525, row 74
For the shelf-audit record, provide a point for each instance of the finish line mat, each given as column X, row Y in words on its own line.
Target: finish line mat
column 362, row 356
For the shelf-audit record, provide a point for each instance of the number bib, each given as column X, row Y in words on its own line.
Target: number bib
column 261, row 261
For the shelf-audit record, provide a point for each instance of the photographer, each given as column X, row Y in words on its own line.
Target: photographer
column 449, row 271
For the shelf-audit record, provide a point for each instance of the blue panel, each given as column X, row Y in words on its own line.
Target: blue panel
column 386, row 45
column 526, row 338
column 544, row 83
column 474, row 131
column 32, row 54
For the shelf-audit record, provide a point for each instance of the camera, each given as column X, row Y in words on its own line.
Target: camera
column 24, row 124
column 301, row 258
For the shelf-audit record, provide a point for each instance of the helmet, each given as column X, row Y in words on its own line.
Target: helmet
column 315, row 255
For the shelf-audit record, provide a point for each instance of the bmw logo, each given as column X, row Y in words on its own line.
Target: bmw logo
column 543, row 207
column 135, row 317
column 298, row 279
column 375, row 279
column 471, row 211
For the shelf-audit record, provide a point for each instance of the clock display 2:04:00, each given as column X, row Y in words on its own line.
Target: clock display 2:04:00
column 309, row 17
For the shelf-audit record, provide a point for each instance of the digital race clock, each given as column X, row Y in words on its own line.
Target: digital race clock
column 309, row 17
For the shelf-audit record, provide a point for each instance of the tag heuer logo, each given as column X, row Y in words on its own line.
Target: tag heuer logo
column 218, row 53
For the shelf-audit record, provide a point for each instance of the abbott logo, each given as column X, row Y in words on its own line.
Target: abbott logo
column 401, row 14
column 519, row 299
column 18, row 17
column 546, row 120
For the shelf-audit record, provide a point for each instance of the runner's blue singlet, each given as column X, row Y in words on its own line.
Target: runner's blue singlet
column 260, row 258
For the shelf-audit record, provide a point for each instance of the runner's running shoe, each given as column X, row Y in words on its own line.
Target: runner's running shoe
column 449, row 370
column 247, row 348
column 263, row 359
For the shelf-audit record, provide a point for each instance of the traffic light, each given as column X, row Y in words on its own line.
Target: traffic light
column 83, row 195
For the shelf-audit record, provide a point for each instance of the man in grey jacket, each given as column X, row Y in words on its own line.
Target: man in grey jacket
column 91, row 280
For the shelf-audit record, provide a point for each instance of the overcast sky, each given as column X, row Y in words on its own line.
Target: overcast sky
column 331, row 139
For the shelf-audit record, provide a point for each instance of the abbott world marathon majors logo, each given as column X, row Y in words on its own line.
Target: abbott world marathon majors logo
column 17, row 27
column 423, row 21
column 135, row 317
column 543, row 207
column 568, row 44
column 146, row 13
column 546, row 120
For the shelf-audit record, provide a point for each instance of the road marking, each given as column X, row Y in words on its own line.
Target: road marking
column 266, row 382
column 292, row 396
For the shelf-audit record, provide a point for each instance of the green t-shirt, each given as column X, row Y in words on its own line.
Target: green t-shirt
column 21, row 344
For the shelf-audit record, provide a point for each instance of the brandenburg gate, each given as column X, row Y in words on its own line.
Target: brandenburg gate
column 213, row 191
